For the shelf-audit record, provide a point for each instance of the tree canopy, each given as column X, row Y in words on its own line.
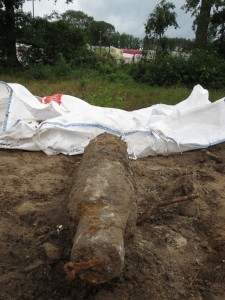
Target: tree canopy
column 43, row 40
column 160, row 20
column 8, row 9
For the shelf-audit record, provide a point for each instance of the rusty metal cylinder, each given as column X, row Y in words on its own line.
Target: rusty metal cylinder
column 103, row 206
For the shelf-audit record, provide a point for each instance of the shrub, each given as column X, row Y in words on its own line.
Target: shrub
column 62, row 68
column 202, row 67
column 163, row 70
column 206, row 68
column 38, row 72
column 84, row 58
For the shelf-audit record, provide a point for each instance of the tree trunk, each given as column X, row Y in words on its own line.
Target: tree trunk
column 10, row 31
column 203, row 20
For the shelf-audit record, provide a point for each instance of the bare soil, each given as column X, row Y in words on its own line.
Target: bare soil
column 177, row 252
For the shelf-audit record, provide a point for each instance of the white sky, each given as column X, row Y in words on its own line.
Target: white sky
column 128, row 16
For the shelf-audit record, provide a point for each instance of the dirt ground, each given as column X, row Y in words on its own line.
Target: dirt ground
column 177, row 252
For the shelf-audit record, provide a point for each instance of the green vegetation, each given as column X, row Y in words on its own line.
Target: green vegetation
column 98, row 88
column 159, row 20
column 41, row 40
column 204, row 67
column 201, row 61
column 54, row 55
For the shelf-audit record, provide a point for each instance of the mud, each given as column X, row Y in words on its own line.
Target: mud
column 178, row 252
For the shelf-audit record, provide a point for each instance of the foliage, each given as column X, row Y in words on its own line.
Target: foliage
column 160, row 19
column 8, row 9
column 206, row 68
column 172, row 44
column 43, row 40
column 98, row 31
column 209, row 20
column 56, row 37
column 110, row 70
column 77, row 19
column 89, row 85
column 2, row 38
column 97, row 90
column 194, row 6
column 217, row 29
column 127, row 41
column 163, row 70
column 92, row 66
column 202, row 67
column 84, row 58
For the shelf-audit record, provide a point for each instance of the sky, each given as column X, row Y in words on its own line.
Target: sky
column 127, row 16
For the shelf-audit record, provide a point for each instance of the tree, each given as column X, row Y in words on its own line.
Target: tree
column 2, row 37
column 77, row 19
column 115, row 39
column 100, row 33
column 42, row 40
column 8, row 8
column 160, row 20
column 58, row 38
column 217, row 28
column 203, row 10
column 127, row 41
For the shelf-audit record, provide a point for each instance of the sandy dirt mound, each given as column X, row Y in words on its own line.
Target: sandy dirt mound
column 178, row 252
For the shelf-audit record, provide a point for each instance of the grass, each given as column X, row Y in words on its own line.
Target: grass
column 97, row 90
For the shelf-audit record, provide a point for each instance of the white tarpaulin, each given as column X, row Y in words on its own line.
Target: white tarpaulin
column 66, row 124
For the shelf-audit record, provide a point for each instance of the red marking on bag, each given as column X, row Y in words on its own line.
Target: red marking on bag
column 54, row 98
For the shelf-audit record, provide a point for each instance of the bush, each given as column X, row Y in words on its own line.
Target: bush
column 163, row 70
column 207, row 69
column 38, row 72
column 110, row 69
column 62, row 68
column 202, row 67
column 84, row 58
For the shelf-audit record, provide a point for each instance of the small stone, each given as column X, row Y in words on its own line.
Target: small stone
column 33, row 266
column 52, row 252
column 198, row 262
column 180, row 241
